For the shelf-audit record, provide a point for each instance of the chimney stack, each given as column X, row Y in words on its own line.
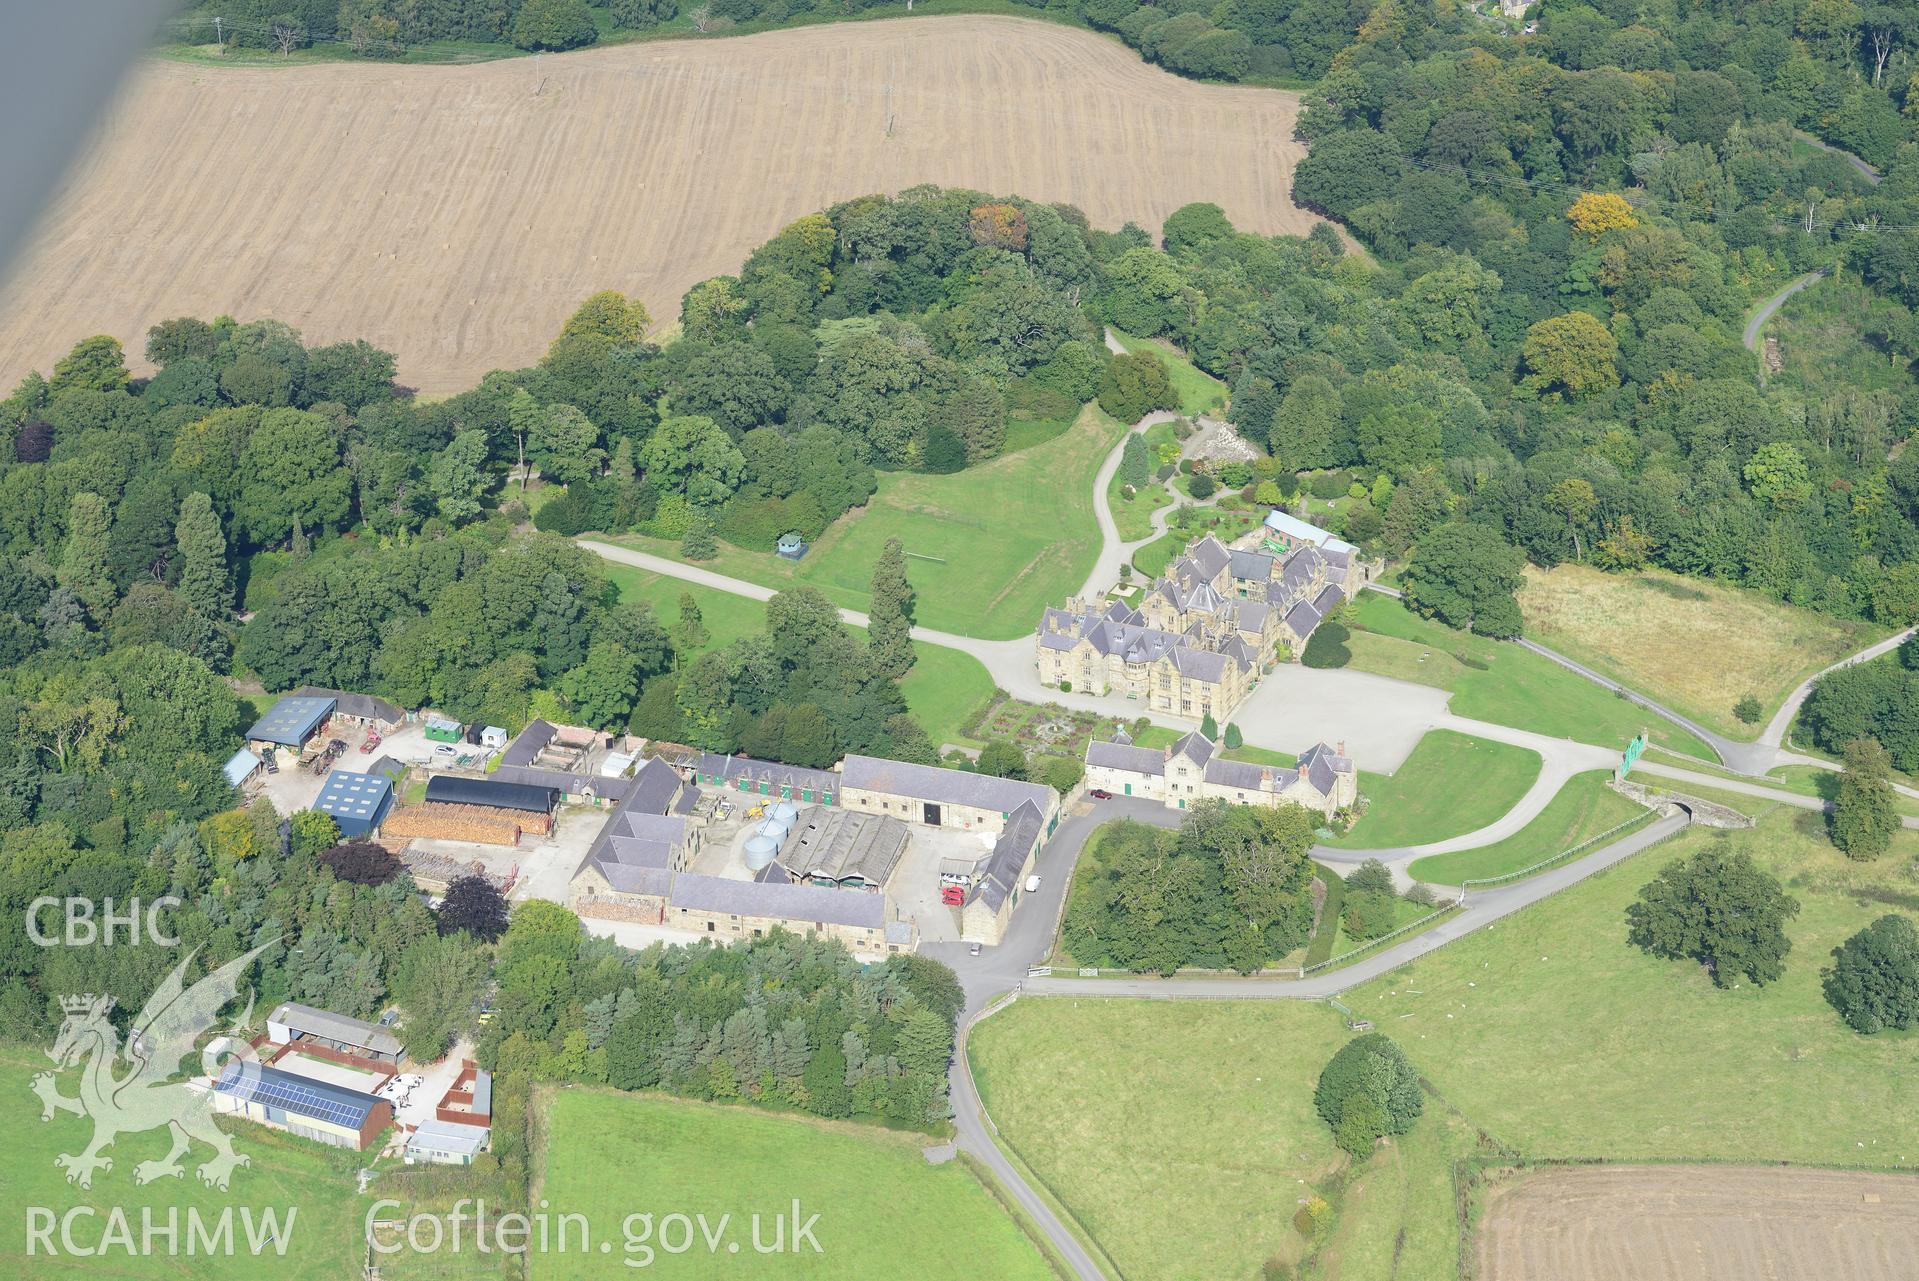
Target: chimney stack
column 1342, row 747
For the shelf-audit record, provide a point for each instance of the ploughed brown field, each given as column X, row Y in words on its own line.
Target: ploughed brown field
column 1700, row 1223
column 456, row 215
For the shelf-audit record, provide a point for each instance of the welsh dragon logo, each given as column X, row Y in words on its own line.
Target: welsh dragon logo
column 166, row 1030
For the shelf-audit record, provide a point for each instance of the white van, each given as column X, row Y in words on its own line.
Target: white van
column 1032, row 883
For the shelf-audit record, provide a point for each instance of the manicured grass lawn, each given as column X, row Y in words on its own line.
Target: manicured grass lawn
column 1133, row 518
column 1696, row 646
column 1198, row 391
column 987, row 547
column 1182, row 528
column 941, row 691
column 1181, row 1133
column 883, row 1211
column 1584, row 808
column 1450, row 785
column 1497, row 682
column 315, row 1182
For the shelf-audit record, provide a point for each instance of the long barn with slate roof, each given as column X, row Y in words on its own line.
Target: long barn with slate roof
column 1324, row 780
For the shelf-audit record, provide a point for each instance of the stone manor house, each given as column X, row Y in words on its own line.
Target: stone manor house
column 1202, row 634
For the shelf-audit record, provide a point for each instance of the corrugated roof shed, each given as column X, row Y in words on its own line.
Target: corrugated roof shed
column 291, row 721
column 357, row 802
column 335, row 1027
column 239, row 767
column 445, row 1137
column 449, row 789
column 347, row 703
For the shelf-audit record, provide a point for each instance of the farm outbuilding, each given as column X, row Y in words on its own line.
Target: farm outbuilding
column 357, row 802
column 357, row 1038
column 440, row 1143
column 317, row 1110
column 290, row 723
column 240, row 767
column 450, row 789
column 357, row 709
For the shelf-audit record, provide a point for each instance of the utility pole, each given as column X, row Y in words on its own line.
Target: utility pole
column 219, row 37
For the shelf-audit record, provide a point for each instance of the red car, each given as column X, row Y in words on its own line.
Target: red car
column 1100, row 794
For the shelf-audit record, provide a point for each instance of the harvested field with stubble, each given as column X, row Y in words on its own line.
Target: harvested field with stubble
column 1699, row 1223
column 456, row 215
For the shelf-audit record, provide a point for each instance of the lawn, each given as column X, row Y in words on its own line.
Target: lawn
column 1697, row 646
column 1181, row 1133
column 987, row 548
column 1450, row 785
column 882, row 1210
column 1584, row 808
column 1198, row 390
column 311, row 1183
column 942, row 691
column 1497, row 682
column 1134, row 517
column 1183, row 526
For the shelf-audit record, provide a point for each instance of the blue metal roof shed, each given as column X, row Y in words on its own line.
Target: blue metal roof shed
column 357, row 802
column 291, row 722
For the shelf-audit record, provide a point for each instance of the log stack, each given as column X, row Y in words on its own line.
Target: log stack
column 475, row 824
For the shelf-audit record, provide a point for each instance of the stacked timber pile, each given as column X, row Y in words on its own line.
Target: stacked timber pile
column 476, row 824
column 433, row 872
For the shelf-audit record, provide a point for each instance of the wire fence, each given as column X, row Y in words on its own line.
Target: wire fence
column 1570, row 851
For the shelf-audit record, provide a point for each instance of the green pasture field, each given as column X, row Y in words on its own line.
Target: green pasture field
column 309, row 1187
column 1198, row 390
column 1181, row 1134
column 883, row 1210
column 1497, row 682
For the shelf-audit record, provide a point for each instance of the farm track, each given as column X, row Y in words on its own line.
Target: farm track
column 456, row 215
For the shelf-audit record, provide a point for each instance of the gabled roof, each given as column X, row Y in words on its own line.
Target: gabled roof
column 733, row 768
column 434, row 1135
column 654, row 785
column 941, row 786
column 1295, row 528
column 1137, row 760
column 1210, row 555
column 1008, row 859
column 291, row 721
column 239, row 767
column 528, row 743
column 1302, row 618
column 347, row 703
column 1256, row 566
column 1242, row 774
column 1321, row 766
column 335, row 1027
column 841, row 844
column 799, row 904
column 1330, row 598
column 355, row 797
column 253, row 1082
column 1194, row 746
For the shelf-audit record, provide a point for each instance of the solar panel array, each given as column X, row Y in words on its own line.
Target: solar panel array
column 282, row 1089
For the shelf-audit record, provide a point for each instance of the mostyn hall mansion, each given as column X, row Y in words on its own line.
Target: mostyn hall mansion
column 1204, row 633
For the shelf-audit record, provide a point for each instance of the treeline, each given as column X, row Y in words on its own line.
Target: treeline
column 782, row 1020
column 1232, row 888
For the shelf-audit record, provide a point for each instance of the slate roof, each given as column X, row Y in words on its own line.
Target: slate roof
column 1302, row 618
column 1211, row 556
column 653, row 786
column 634, row 851
column 732, row 768
column 942, row 786
column 1241, row 774
column 1137, row 760
column 364, row 706
column 1300, row 569
column 1330, row 598
column 799, row 904
column 528, row 743
column 291, row 721
column 1009, row 855
column 1321, row 766
column 1195, row 746
column 1257, row 566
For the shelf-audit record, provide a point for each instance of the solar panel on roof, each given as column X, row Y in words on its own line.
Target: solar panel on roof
column 336, row 1105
